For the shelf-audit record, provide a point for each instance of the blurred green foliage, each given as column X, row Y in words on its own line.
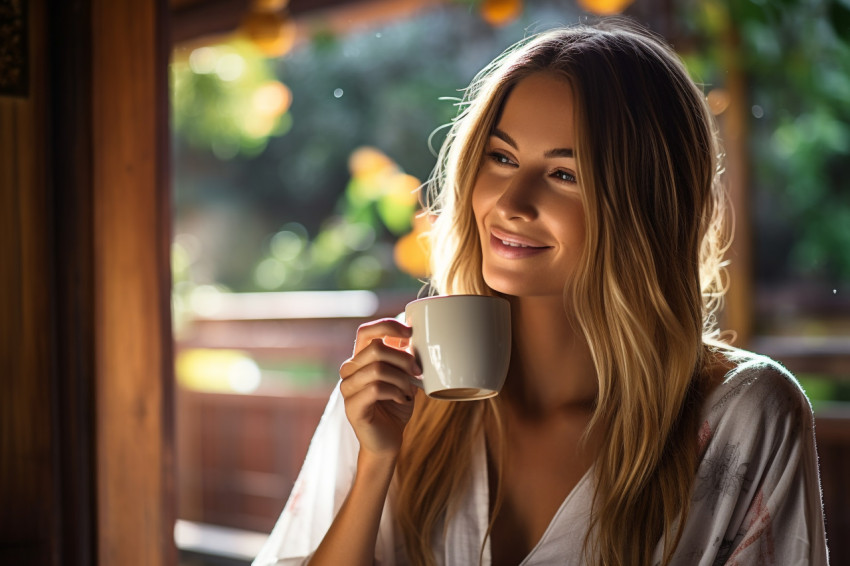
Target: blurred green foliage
column 824, row 391
column 214, row 100
column 345, row 252
column 796, row 58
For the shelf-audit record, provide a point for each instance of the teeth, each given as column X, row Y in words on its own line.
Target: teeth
column 514, row 245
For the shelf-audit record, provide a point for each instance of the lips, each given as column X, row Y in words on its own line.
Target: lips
column 514, row 246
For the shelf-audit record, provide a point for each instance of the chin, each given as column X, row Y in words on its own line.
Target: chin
column 511, row 285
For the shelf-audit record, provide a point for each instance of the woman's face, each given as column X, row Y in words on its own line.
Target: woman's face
column 527, row 200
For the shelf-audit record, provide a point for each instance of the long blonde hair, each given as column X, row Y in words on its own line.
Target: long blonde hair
column 645, row 293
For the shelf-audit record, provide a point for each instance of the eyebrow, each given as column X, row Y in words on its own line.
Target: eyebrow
column 557, row 152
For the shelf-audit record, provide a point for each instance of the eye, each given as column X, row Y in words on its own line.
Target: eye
column 564, row 176
column 500, row 158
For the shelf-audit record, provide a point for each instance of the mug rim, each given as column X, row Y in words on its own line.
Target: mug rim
column 458, row 296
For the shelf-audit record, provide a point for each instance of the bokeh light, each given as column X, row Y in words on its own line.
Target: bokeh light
column 412, row 252
column 500, row 12
column 221, row 371
column 718, row 100
column 273, row 32
column 272, row 98
column 605, row 7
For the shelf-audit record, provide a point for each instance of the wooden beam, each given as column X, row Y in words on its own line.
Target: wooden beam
column 134, row 381
column 199, row 20
column 194, row 20
column 737, row 315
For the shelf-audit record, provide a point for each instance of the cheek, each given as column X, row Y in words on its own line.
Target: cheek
column 572, row 225
column 485, row 192
column 579, row 224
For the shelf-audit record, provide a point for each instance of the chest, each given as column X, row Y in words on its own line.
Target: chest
column 540, row 469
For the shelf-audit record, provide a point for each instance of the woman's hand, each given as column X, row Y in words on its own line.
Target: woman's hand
column 377, row 388
column 378, row 393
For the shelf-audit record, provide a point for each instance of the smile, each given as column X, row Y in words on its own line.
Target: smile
column 508, row 247
column 515, row 240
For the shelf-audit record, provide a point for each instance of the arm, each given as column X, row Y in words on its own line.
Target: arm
column 784, row 523
column 378, row 403
column 334, row 463
column 351, row 538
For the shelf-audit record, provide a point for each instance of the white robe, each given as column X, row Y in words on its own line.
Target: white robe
column 756, row 498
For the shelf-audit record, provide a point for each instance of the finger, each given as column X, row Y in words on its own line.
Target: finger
column 382, row 328
column 362, row 400
column 377, row 372
column 378, row 351
column 397, row 343
column 378, row 398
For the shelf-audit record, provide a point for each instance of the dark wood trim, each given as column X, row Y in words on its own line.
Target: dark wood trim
column 14, row 48
column 28, row 534
column 193, row 20
column 69, row 25
column 162, row 240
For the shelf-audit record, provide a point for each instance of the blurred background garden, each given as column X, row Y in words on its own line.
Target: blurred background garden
column 299, row 143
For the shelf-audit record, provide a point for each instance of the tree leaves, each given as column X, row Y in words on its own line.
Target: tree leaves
column 839, row 17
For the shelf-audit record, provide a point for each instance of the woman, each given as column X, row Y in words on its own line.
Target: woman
column 580, row 181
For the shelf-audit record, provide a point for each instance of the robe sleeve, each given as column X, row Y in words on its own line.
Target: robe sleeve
column 322, row 485
column 757, row 495
column 784, row 523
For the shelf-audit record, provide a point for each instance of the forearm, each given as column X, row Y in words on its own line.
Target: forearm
column 353, row 533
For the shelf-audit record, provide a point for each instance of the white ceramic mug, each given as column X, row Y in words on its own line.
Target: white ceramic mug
column 462, row 344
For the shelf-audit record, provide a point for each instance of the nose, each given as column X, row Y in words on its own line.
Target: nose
column 517, row 200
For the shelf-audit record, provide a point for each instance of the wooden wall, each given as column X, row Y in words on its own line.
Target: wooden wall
column 26, row 433
column 239, row 455
column 86, row 391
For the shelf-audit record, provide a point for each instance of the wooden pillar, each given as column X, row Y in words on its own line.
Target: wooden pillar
column 134, row 384
column 738, row 312
column 86, row 386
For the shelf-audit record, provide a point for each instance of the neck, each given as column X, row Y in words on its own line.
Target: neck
column 551, row 367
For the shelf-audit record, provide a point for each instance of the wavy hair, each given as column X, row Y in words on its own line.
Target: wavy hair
column 649, row 281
